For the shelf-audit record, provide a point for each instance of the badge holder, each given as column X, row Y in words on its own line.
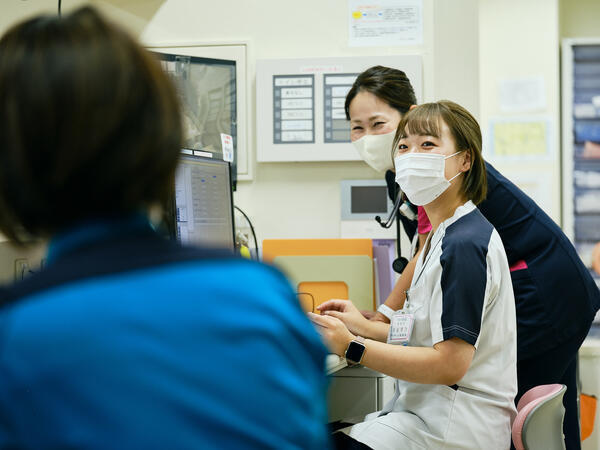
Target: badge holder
column 401, row 325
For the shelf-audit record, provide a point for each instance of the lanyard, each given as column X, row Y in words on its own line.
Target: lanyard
column 426, row 261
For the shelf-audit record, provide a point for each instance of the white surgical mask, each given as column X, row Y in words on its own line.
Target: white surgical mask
column 376, row 150
column 421, row 176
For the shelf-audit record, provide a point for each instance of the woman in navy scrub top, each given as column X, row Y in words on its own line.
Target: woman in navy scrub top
column 456, row 353
column 556, row 297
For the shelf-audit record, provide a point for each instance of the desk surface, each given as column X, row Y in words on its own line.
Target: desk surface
column 338, row 367
column 333, row 363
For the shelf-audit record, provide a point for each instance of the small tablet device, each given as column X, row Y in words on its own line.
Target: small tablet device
column 201, row 210
column 364, row 199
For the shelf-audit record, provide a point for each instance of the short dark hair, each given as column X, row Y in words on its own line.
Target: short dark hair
column 425, row 120
column 90, row 125
column 390, row 85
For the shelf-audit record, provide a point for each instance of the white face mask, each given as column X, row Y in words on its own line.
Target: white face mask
column 421, row 176
column 376, row 150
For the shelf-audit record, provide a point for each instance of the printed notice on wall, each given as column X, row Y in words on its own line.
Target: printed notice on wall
column 522, row 94
column 525, row 138
column 385, row 23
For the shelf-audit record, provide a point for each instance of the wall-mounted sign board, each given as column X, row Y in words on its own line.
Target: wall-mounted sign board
column 300, row 105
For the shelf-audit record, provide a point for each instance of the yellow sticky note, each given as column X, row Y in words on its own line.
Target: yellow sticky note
column 527, row 138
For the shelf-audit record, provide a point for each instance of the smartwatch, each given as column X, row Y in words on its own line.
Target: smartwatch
column 355, row 351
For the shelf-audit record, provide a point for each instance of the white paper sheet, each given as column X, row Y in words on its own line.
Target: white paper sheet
column 522, row 94
column 385, row 23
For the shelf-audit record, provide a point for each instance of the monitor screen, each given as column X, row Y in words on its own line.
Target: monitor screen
column 364, row 199
column 203, row 204
column 207, row 92
column 369, row 199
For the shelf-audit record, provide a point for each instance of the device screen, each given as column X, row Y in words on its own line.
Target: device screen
column 203, row 202
column 369, row 199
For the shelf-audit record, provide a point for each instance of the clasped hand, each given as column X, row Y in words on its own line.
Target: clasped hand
column 338, row 323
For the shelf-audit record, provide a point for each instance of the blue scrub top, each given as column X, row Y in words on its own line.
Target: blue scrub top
column 127, row 340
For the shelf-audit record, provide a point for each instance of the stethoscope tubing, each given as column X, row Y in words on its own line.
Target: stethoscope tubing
column 390, row 220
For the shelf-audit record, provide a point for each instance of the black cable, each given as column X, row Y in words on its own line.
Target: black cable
column 393, row 215
column 59, row 5
column 251, row 229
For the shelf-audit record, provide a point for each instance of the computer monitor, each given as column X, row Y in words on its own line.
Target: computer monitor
column 206, row 88
column 202, row 209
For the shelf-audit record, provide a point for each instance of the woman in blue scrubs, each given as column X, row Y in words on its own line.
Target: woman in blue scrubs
column 126, row 339
column 556, row 297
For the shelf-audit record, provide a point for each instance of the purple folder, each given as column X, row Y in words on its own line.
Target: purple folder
column 384, row 251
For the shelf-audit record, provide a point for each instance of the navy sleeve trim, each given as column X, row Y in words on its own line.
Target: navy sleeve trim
column 462, row 333
column 464, row 276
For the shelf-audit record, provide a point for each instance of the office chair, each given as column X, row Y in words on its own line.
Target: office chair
column 539, row 421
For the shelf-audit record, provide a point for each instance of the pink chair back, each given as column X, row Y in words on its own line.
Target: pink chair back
column 539, row 420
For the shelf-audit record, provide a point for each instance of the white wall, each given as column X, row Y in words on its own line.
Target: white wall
column 13, row 11
column 302, row 199
column 519, row 38
column 469, row 45
column 456, row 50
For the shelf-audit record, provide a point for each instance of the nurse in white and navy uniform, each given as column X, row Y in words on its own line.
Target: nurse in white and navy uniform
column 452, row 348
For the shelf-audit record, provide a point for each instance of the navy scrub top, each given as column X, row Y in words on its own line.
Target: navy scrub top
column 556, row 296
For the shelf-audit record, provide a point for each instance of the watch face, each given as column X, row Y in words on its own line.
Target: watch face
column 355, row 351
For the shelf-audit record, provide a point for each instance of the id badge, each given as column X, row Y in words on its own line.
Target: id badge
column 401, row 327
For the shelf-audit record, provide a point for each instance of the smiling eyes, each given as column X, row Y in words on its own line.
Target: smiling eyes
column 375, row 126
column 427, row 145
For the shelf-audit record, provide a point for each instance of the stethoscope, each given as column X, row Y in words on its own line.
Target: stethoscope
column 400, row 262
column 390, row 220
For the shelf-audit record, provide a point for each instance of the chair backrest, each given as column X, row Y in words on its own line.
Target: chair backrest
column 539, row 421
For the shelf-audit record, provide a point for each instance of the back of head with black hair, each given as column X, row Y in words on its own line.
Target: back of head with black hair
column 89, row 124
